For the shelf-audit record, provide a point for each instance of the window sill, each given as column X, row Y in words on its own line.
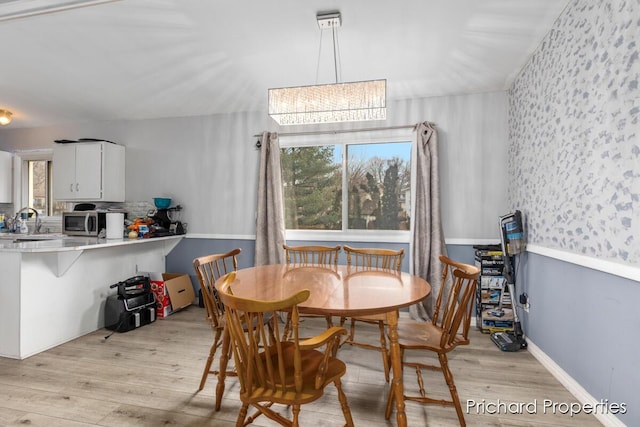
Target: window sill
column 382, row 236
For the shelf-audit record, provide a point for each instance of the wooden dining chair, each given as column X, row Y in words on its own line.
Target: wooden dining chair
column 312, row 255
column 372, row 259
column 315, row 255
column 448, row 329
column 272, row 369
column 208, row 269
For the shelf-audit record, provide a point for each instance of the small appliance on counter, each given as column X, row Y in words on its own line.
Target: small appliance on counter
column 86, row 220
column 166, row 218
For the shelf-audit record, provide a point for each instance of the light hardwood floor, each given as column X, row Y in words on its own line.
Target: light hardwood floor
column 150, row 376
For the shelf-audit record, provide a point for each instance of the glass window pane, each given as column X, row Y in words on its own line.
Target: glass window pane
column 312, row 183
column 379, row 186
column 38, row 185
column 39, row 189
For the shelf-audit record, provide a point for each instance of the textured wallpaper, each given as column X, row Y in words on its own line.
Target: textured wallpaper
column 574, row 150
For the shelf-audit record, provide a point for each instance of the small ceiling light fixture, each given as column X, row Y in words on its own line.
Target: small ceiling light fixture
column 5, row 117
column 329, row 103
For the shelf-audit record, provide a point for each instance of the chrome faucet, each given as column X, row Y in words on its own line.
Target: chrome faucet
column 38, row 220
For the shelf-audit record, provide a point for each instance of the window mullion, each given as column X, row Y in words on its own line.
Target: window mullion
column 345, row 190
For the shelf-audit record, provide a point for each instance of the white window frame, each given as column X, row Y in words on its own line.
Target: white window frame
column 344, row 139
column 21, row 177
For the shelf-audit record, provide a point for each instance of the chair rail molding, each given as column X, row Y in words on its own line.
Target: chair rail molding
column 606, row 266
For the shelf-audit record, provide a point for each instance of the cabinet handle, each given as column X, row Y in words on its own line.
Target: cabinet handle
column 71, row 188
column 77, row 187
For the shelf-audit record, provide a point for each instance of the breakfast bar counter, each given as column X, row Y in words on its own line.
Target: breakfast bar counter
column 53, row 291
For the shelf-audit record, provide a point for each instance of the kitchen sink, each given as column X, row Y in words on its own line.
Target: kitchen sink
column 32, row 237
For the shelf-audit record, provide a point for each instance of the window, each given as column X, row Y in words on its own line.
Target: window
column 39, row 188
column 347, row 186
column 36, row 178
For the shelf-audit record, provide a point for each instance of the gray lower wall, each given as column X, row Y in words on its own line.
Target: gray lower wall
column 587, row 321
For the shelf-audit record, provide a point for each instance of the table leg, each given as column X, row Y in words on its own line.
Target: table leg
column 222, row 373
column 397, row 386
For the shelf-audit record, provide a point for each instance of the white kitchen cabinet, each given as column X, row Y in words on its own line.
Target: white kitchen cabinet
column 5, row 177
column 89, row 171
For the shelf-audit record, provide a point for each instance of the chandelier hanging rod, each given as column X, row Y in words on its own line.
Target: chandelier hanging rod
column 335, row 60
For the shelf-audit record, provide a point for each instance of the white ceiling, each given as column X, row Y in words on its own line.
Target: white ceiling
column 137, row 59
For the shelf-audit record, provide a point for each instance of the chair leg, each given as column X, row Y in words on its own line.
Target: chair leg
column 329, row 322
column 296, row 414
column 384, row 351
column 390, row 401
column 242, row 415
column 392, row 391
column 344, row 341
column 222, row 373
column 352, row 331
column 343, row 403
column 207, row 366
column 448, row 376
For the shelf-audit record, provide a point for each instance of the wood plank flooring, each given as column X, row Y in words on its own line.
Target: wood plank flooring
column 150, row 376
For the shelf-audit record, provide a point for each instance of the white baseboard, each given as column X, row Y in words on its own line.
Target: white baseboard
column 582, row 395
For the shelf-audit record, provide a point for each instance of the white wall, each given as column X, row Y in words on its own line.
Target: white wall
column 209, row 164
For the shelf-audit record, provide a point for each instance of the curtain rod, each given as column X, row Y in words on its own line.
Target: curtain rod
column 329, row 132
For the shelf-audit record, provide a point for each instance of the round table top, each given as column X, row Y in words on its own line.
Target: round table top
column 336, row 290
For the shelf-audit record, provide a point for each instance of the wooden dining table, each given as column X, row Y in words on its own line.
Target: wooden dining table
column 341, row 290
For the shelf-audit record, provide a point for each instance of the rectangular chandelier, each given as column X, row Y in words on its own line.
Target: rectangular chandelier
column 330, row 103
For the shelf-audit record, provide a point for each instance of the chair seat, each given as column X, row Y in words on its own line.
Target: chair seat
column 311, row 360
column 414, row 334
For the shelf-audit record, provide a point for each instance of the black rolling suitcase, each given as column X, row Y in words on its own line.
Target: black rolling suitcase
column 133, row 306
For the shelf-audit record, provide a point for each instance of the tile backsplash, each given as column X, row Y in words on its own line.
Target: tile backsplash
column 54, row 224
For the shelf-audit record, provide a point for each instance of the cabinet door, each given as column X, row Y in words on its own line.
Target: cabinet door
column 5, row 177
column 88, row 172
column 64, row 171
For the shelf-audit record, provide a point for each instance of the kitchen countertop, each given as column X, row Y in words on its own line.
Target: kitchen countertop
column 70, row 243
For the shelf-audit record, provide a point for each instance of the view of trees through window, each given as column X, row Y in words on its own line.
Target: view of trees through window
column 39, row 188
column 377, row 186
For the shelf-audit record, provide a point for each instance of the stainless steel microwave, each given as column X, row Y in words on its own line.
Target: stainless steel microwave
column 83, row 223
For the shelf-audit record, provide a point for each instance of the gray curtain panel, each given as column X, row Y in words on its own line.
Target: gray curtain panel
column 270, row 234
column 427, row 238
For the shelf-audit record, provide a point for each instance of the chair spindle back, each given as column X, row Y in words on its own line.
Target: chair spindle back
column 374, row 258
column 315, row 255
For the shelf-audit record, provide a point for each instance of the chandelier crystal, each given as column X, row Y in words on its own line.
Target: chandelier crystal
column 330, row 103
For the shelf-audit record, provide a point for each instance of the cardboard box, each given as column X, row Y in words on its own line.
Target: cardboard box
column 173, row 292
column 180, row 290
